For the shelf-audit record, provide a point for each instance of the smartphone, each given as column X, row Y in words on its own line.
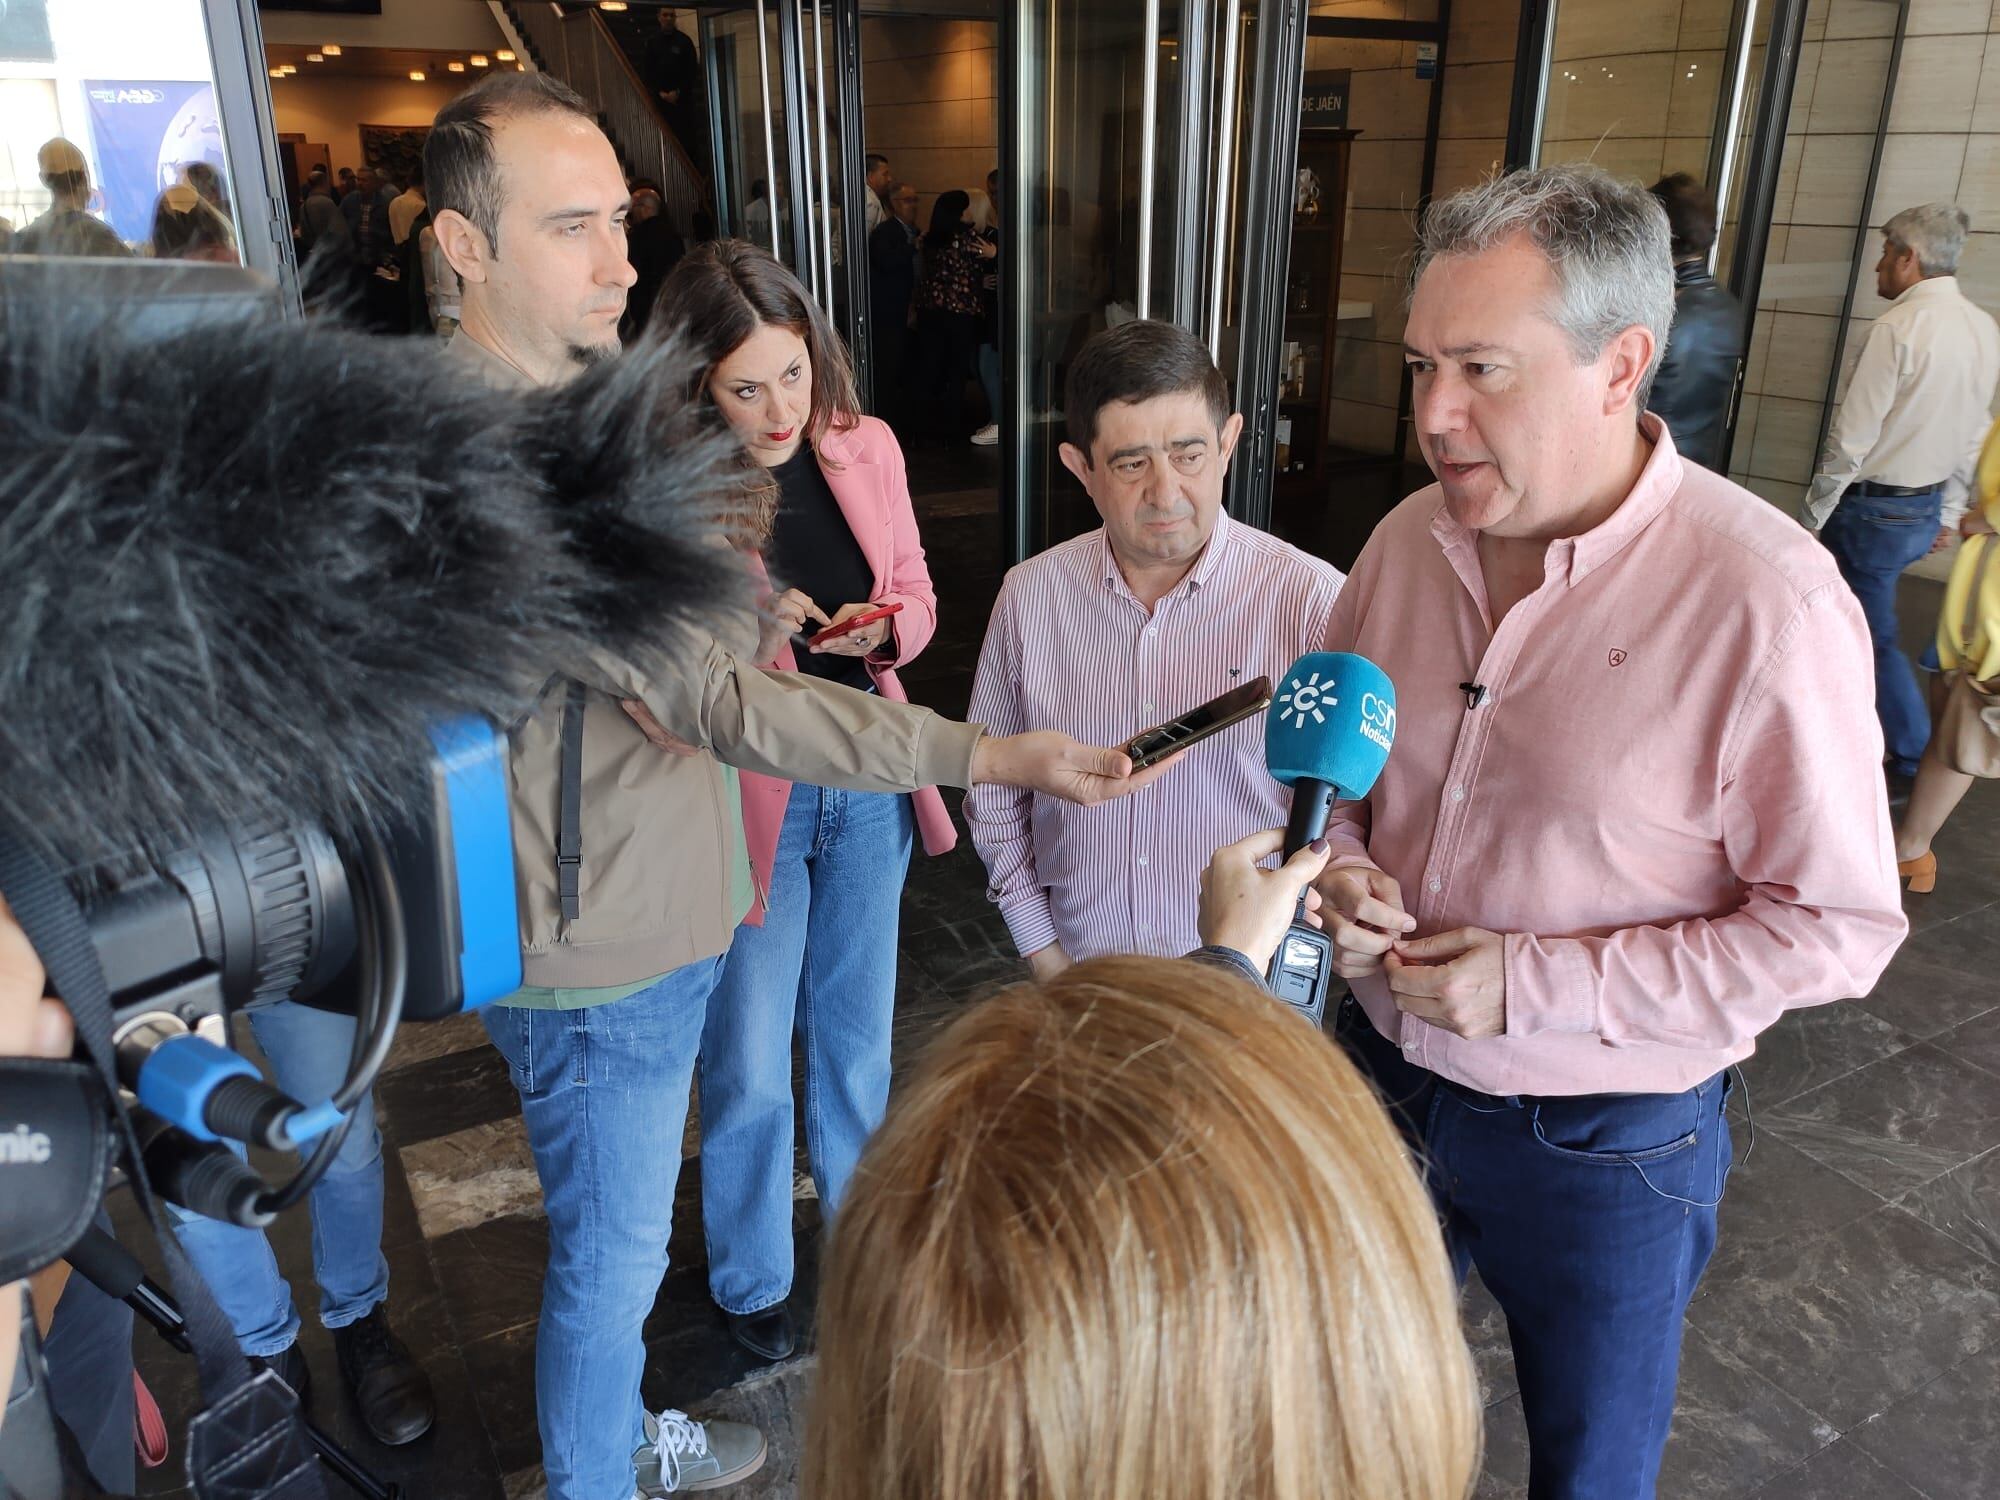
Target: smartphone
column 855, row 622
column 1197, row 724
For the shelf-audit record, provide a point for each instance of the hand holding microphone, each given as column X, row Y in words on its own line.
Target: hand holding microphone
column 1249, row 908
column 1327, row 736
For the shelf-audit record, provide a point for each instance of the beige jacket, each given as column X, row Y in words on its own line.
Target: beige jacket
column 656, row 827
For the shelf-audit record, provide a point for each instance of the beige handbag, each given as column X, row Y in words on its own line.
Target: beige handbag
column 1968, row 727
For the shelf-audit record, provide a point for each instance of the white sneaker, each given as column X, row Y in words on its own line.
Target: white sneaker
column 681, row 1454
column 987, row 436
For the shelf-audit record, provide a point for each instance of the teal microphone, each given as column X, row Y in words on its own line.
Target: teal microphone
column 1327, row 734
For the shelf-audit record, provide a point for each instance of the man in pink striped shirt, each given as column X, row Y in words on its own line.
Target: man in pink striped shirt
column 1635, row 810
column 1167, row 605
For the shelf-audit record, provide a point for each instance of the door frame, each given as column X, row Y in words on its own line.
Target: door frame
column 250, row 144
column 1265, row 261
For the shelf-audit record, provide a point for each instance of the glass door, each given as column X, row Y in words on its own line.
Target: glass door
column 743, row 52
column 784, row 105
column 1701, row 86
column 1142, row 147
column 140, row 128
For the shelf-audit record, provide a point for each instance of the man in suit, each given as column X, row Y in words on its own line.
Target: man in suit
column 892, row 281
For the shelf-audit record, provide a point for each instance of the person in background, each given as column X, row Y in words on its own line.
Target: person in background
column 344, row 184
column 1564, row 914
column 326, row 245
column 818, row 954
column 654, row 249
column 378, row 301
column 948, row 311
column 877, row 177
column 1968, row 646
column 892, row 283
column 671, row 66
column 185, row 227
column 366, row 210
column 204, row 179
column 406, row 208
column 68, row 227
column 986, row 219
column 1167, row 605
column 1900, row 452
column 757, row 216
column 1697, row 378
column 1137, row 1231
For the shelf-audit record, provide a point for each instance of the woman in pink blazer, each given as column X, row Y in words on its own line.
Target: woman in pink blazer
column 831, row 507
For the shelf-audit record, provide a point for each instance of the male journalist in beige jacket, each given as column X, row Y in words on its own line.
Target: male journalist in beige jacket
column 529, row 206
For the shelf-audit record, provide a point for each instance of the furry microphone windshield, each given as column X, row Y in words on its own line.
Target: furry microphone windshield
column 243, row 567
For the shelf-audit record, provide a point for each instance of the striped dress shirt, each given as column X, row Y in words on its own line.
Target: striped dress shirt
column 1070, row 648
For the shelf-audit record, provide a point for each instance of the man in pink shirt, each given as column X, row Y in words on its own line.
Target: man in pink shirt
column 1634, row 814
column 1165, row 606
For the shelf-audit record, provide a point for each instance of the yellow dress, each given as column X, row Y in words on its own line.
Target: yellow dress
column 1980, row 653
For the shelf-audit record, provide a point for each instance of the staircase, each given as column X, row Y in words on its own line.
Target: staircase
column 577, row 46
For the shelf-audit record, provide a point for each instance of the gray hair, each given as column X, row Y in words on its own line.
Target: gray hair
column 1607, row 242
column 1936, row 232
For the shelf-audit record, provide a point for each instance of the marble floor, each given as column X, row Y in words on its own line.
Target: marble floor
column 1845, row 1344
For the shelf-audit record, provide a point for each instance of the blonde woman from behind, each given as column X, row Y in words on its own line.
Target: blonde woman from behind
column 1965, row 713
column 1139, row 1232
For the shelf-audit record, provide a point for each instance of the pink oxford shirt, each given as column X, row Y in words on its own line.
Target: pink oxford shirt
column 1070, row 648
column 1670, row 801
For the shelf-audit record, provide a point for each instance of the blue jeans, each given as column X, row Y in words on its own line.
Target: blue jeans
column 1591, row 1220
column 824, row 961
column 308, row 1050
column 604, row 1093
column 1873, row 538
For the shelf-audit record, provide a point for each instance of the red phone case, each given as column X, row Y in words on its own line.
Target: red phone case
column 867, row 617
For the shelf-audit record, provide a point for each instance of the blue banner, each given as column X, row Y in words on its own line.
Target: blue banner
column 145, row 133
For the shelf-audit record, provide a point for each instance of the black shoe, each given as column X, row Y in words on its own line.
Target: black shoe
column 768, row 1334
column 390, row 1389
column 289, row 1365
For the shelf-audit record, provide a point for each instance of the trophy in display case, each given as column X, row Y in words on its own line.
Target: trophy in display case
column 1306, row 196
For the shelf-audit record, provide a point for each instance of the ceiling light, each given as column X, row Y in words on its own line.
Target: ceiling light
column 331, row 49
column 520, row 67
column 454, row 67
column 416, row 75
column 277, row 72
column 505, row 54
column 289, row 68
column 315, row 57
column 611, row 4
column 478, row 59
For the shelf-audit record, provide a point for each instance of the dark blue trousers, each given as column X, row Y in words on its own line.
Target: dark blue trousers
column 1590, row 1219
column 1872, row 539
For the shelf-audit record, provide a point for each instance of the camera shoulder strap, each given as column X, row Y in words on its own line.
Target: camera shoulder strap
column 569, row 830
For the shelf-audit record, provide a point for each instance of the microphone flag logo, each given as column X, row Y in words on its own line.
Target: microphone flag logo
column 1332, row 721
column 1303, row 700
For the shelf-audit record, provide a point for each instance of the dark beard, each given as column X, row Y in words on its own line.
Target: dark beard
column 583, row 356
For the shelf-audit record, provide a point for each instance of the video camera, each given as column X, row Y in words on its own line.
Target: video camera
column 267, row 622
